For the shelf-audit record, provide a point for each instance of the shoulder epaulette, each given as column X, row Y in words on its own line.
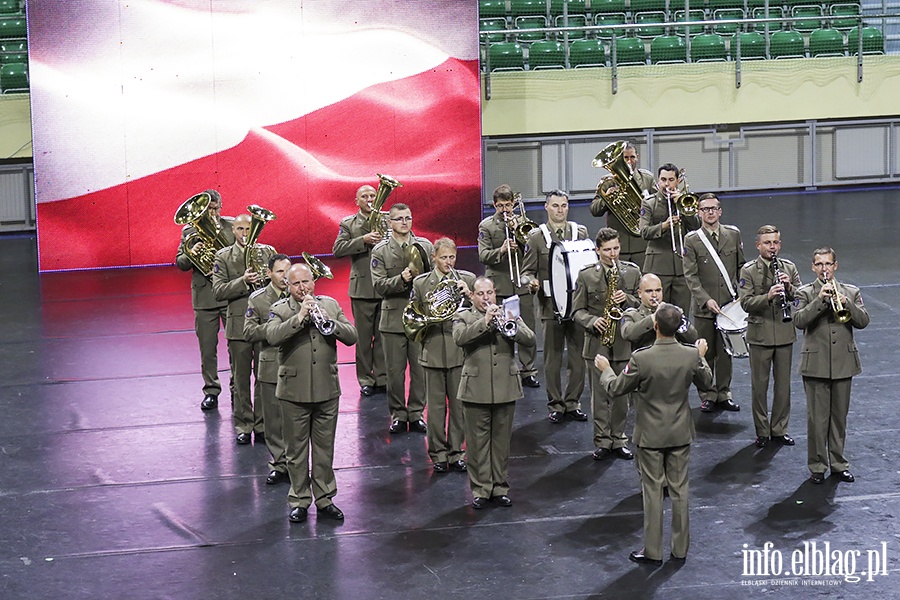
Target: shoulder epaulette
column 628, row 263
column 258, row 292
column 381, row 243
column 642, row 348
column 731, row 227
column 223, row 251
column 279, row 302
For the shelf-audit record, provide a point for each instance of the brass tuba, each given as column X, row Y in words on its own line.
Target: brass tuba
column 439, row 305
column 255, row 255
column 611, row 312
column 378, row 218
column 625, row 200
column 195, row 212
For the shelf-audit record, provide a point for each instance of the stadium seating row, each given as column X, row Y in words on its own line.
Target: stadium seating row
column 520, row 8
column 13, row 27
column 14, row 78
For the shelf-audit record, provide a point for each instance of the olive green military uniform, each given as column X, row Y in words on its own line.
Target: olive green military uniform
column 771, row 344
column 388, row 262
column 309, row 390
column 661, row 376
column 659, row 258
column 364, row 302
column 828, row 361
column 489, row 387
column 637, row 328
column 632, row 247
column 588, row 305
column 491, row 235
column 558, row 335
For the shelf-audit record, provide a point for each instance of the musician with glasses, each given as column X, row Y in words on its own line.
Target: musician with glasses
column 660, row 227
column 442, row 359
column 603, row 292
column 559, row 336
column 713, row 256
column 356, row 241
column 828, row 312
column 770, row 337
column 392, row 277
column 633, row 247
column 500, row 254
column 209, row 313
column 306, row 328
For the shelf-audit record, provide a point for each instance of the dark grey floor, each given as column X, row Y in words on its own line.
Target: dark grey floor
column 115, row 485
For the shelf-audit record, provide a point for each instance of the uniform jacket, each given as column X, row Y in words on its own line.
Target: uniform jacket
column 202, row 297
column 829, row 351
column 661, row 375
column 490, row 374
column 491, row 235
column 590, row 299
column 764, row 324
column 703, row 276
column 439, row 351
column 229, row 285
column 537, row 261
column 637, row 328
column 307, row 360
column 659, row 256
column 255, row 319
column 630, row 243
column 350, row 243
column 388, row 261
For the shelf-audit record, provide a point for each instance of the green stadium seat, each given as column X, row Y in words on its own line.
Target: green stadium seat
column 13, row 27
column 491, row 8
column 668, row 49
column 638, row 6
column 14, row 78
column 546, row 54
column 609, row 19
column 708, row 47
column 6, row 59
column 786, row 44
column 715, row 5
column 599, row 7
column 575, row 7
column 752, row 45
column 10, row 7
column 826, row 42
column 574, row 21
column 872, row 39
column 587, row 53
column 775, row 12
column 807, row 17
column 651, row 31
column 523, row 8
column 695, row 15
column 506, row 56
column 523, row 24
column 728, row 14
column 20, row 46
column 630, row 51
column 844, row 10
column 493, row 25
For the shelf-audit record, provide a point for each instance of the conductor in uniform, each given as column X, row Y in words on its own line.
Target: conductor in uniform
column 828, row 313
column 661, row 375
column 598, row 313
column 489, row 388
column 503, row 258
column 209, row 313
column 708, row 251
column 356, row 240
column 306, row 329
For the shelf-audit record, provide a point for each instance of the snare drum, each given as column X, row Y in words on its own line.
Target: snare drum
column 566, row 260
column 732, row 324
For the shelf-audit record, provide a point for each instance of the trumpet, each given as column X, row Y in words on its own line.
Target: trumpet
column 325, row 325
column 776, row 276
column 841, row 312
column 508, row 328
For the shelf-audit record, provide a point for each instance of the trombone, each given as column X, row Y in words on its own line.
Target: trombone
column 517, row 227
column 686, row 204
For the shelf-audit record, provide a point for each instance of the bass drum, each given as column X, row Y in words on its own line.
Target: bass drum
column 566, row 260
column 732, row 324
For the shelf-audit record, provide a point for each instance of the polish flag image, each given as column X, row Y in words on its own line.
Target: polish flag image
column 289, row 104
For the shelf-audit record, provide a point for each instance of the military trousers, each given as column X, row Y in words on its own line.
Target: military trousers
column 369, row 354
column 309, row 431
column 488, row 433
column 777, row 361
column 659, row 468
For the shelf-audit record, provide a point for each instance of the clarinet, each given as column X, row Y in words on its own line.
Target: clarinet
column 785, row 306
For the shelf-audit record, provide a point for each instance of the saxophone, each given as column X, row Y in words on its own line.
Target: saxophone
column 611, row 312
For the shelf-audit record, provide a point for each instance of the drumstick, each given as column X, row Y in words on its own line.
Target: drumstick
column 733, row 322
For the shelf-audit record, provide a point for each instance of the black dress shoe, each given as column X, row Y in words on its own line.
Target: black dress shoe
column 728, row 405
column 502, row 500
column 600, row 453
column 817, row 478
column 784, row 439
column 761, row 441
column 367, row 390
column 577, row 415
column 706, row 406
column 556, row 416
column 459, row 466
column 275, row 477
column 638, row 557
column 624, row 453
column 331, row 511
column 418, row 426
column 531, row 381
column 379, row 389
column 298, row 515
column 678, row 559
column 209, row 402
column 846, row 476
column 243, row 439
column 397, row 426
column 260, row 437
column 441, row 467
column 479, row 502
